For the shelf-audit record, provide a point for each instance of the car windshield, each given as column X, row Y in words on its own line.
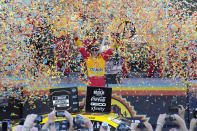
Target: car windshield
column 120, row 119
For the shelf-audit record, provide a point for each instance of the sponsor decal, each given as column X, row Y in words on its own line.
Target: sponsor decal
column 98, row 99
column 121, row 106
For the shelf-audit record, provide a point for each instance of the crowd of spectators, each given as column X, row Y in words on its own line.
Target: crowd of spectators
column 33, row 122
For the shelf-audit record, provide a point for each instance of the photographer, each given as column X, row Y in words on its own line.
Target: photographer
column 64, row 114
column 174, row 118
column 181, row 112
column 50, row 124
column 141, row 126
column 82, row 123
column 193, row 124
column 69, row 119
column 29, row 124
column 88, row 124
column 104, row 127
column 123, row 127
column 6, row 125
column 193, row 121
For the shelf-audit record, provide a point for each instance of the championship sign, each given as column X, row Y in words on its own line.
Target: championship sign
column 98, row 99
column 65, row 99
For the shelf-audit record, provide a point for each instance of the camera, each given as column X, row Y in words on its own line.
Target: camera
column 60, row 114
column 5, row 124
column 195, row 113
column 123, row 127
column 105, row 125
column 21, row 121
column 174, row 109
column 38, row 119
column 141, row 125
column 62, row 125
column 78, row 122
column 170, row 118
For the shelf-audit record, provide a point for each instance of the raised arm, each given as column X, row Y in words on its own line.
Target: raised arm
column 69, row 119
column 193, row 124
column 160, row 122
column 116, row 37
column 106, row 54
column 50, row 122
column 79, row 44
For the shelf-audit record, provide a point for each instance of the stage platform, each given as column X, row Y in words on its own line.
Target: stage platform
column 74, row 81
column 127, row 82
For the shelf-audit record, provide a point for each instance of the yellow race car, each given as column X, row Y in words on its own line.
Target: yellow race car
column 97, row 119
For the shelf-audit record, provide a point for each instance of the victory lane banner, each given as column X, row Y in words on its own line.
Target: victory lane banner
column 98, row 99
column 65, row 99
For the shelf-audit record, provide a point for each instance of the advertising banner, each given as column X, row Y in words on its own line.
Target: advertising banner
column 98, row 99
column 64, row 99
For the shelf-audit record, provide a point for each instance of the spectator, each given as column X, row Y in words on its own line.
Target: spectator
column 69, row 119
column 174, row 118
column 123, row 127
column 6, row 125
column 135, row 126
column 193, row 124
column 50, row 124
column 88, row 124
column 193, row 121
column 181, row 112
column 62, row 52
column 83, row 123
column 29, row 124
column 104, row 127
column 151, row 67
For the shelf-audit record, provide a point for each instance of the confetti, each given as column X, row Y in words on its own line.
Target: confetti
column 37, row 44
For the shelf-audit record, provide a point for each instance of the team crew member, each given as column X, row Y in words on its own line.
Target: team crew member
column 95, row 61
column 62, row 51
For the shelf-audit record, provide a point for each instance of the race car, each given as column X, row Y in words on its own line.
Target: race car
column 97, row 119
